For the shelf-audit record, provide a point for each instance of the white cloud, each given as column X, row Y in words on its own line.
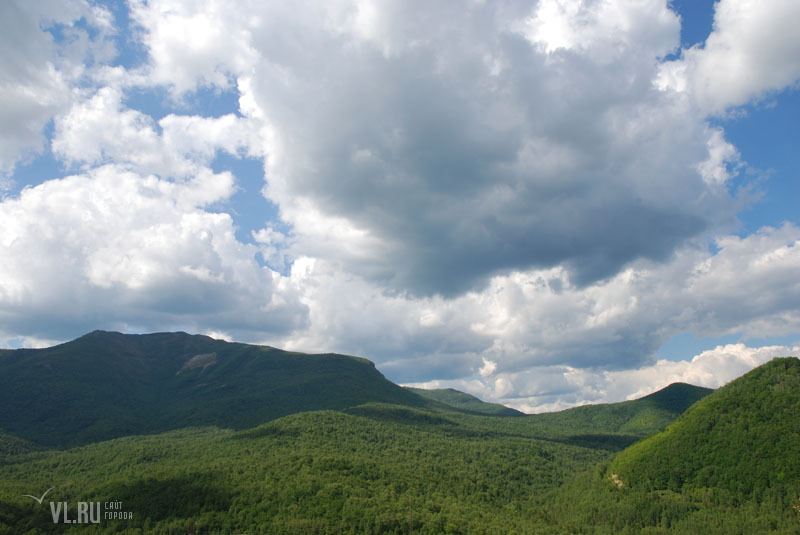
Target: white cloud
column 439, row 154
column 603, row 27
column 510, row 198
column 535, row 339
column 116, row 249
column 750, row 286
column 753, row 49
column 712, row 368
column 723, row 159
column 488, row 368
column 31, row 88
column 553, row 388
column 101, row 129
column 37, row 75
column 197, row 43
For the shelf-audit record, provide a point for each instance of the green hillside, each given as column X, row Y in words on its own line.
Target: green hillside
column 376, row 468
column 106, row 385
column 744, row 438
column 724, row 466
column 10, row 444
column 464, row 401
column 635, row 418
column 388, row 469
column 229, row 438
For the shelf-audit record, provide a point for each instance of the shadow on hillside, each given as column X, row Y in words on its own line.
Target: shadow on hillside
column 173, row 497
column 600, row 441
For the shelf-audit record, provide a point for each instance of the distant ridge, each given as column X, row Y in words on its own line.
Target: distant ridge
column 463, row 401
column 744, row 438
column 640, row 417
column 107, row 384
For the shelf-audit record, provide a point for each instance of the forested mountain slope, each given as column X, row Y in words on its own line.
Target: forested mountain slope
column 745, row 438
column 105, row 385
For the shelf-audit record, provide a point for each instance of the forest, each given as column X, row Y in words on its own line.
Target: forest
column 682, row 460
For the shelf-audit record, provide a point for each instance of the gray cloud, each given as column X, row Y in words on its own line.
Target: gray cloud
column 508, row 196
column 464, row 150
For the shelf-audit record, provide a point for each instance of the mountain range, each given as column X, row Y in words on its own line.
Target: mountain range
column 105, row 385
column 196, row 435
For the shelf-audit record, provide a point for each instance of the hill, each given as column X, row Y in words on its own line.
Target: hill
column 383, row 460
column 386, row 469
column 744, row 438
column 463, row 401
column 105, row 385
column 10, row 444
column 639, row 417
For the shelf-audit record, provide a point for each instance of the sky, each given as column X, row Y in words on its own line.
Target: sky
column 543, row 203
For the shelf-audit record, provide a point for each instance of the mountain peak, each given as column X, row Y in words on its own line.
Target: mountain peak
column 109, row 384
column 738, row 438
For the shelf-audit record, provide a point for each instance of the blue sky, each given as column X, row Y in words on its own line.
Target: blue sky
column 543, row 203
column 767, row 136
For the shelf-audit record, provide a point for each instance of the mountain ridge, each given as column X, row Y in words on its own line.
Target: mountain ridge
column 641, row 416
column 109, row 384
column 464, row 401
column 104, row 385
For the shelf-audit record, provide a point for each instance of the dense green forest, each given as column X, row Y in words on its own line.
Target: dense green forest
column 743, row 440
column 414, row 465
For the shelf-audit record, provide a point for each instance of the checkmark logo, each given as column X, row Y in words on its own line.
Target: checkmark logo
column 39, row 499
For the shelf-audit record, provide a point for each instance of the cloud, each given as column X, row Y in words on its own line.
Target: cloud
column 712, row 368
column 753, row 50
column 602, row 27
column 100, row 129
column 513, row 199
column 404, row 336
column 447, row 146
column 750, row 286
column 553, row 388
column 529, row 321
column 194, row 44
column 36, row 74
column 110, row 248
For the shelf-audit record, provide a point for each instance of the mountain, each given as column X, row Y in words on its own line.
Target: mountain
column 105, row 385
column 638, row 417
column 463, row 401
column 230, row 438
column 10, row 444
column 744, row 438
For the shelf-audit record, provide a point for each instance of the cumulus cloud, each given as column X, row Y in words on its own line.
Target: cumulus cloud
column 750, row 286
column 404, row 336
column 32, row 89
column 513, row 198
column 110, row 248
column 534, row 338
column 37, row 76
column 100, row 129
column 753, row 49
column 712, row 368
column 602, row 27
column 553, row 388
column 415, row 157
column 449, row 146
column 194, row 44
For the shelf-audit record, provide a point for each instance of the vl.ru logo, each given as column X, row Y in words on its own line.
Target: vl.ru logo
column 87, row 512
